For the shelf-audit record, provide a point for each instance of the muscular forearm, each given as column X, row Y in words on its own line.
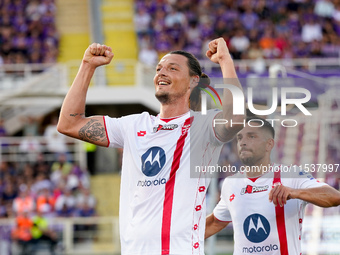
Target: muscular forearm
column 72, row 121
column 73, row 108
column 234, row 123
column 325, row 196
column 230, row 78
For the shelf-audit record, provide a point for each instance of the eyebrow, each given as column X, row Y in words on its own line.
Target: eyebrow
column 169, row 64
column 248, row 133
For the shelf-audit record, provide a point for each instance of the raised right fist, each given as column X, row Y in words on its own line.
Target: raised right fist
column 98, row 55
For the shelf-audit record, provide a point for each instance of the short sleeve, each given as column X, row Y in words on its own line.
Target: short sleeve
column 305, row 180
column 221, row 211
column 117, row 129
column 205, row 125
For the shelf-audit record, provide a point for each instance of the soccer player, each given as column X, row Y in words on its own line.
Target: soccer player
column 265, row 201
column 162, row 209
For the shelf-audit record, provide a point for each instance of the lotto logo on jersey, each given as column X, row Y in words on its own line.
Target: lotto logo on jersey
column 253, row 189
column 256, row 228
column 153, row 160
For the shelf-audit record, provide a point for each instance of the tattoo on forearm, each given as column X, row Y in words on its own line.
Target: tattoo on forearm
column 76, row 114
column 92, row 132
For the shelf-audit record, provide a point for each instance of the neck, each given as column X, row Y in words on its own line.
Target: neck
column 173, row 110
column 258, row 170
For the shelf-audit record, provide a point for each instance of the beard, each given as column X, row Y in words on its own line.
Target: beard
column 165, row 98
column 248, row 161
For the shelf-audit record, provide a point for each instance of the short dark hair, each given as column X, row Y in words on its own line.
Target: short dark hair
column 264, row 124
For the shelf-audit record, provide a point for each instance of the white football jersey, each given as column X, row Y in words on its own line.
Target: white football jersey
column 162, row 209
column 259, row 226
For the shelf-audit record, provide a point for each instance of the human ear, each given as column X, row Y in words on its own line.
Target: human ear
column 270, row 144
column 194, row 80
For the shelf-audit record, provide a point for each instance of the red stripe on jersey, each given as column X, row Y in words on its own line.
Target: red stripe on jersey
column 280, row 219
column 108, row 139
column 169, row 191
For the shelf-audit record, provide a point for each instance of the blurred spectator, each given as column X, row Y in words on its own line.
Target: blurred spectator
column 324, row 8
column 158, row 24
column 34, row 10
column 7, row 171
column 239, row 44
column 262, row 11
column 20, row 22
column 65, row 204
column 62, row 164
column 297, row 20
column 45, row 202
column 28, row 173
column 41, row 182
column 148, row 56
column 163, row 44
column 42, row 232
column 82, row 175
column 8, row 195
column 311, row 31
column 142, row 21
column 193, row 32
column 30, row 147
column 31, row 125
column 86, row 203
column 56, row 142
column 177, row 35
column 22, row 231
column 336, row 13
column 175, row 16
column 254, row 51
column 316, row 50
column 24, row 203
column 267, row 40
column 249, row 18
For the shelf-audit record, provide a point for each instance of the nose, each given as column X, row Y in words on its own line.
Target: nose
column 242, row 142
column 162, row 71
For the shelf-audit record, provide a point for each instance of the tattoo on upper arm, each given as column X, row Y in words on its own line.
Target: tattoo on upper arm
column 93, row 131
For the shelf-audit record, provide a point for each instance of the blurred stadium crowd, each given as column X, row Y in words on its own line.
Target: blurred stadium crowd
column 253, row 29
column 36, row 190
column 28, row 32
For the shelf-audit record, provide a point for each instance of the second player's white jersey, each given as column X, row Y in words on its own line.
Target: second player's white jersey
column 162, row 209
column 259, row 226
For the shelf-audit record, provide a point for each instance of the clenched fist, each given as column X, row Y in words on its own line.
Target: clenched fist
column 218, row 50
column 98, row 55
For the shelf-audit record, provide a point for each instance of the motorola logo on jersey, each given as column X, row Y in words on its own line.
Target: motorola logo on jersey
column 153, row 160
column 256, row 228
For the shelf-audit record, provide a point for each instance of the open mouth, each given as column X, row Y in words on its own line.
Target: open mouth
column 163, row 83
